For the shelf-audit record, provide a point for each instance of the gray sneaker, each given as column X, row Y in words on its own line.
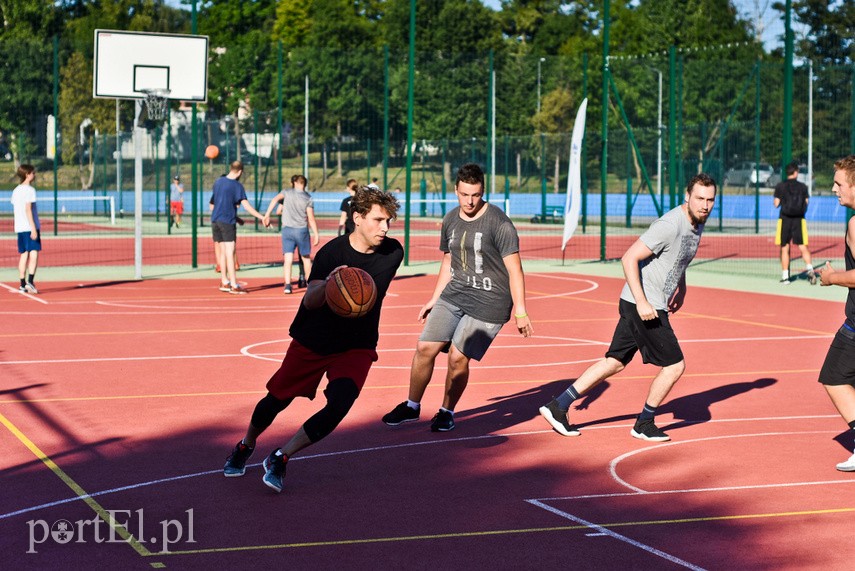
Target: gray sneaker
column 646, row 430
column 274, row 471
column 236, row 462
column 557, row 418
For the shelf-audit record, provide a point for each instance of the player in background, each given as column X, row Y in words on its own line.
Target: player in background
column 838, row 371
column 27, row 227
column 655, row 269
column 325, row 343
column 479, row 287
column 792, row 197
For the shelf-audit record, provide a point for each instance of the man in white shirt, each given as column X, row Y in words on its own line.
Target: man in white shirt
column 27, row 228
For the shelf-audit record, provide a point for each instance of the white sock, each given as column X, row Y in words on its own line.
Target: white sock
column 413, row 404
column 442, row 408
column 809, row 267
column 785, row 275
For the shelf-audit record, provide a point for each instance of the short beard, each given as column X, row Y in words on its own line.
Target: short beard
column 695, row 220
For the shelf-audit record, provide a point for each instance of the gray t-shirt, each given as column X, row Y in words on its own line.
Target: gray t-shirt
column 479, row 279
column 674, row 243
column 294, row 207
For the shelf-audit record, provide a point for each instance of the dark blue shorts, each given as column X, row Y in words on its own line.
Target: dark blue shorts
column 296, row 237
column 27, row 244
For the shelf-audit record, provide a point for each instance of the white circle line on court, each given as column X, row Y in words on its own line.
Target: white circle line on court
column 503, row 435
column 613, row 464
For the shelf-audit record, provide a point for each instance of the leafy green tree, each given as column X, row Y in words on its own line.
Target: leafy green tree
column 76, row 106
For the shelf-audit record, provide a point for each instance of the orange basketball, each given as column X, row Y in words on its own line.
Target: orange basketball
column 212, row 152
column 351, row 292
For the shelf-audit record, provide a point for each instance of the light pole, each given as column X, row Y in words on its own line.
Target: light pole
column 539, row 61
column 660, row 128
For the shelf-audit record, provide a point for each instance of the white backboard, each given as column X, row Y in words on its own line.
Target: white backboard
column 126, row 63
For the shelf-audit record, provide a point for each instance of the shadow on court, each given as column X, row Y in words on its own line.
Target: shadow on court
column 689, row 409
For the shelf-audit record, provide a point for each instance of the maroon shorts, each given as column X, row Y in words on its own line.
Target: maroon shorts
column 302, row 370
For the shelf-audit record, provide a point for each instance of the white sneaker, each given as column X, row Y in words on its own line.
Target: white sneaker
column 848, row 466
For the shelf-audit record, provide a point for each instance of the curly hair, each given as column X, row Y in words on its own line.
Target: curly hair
column 470, row 173
column 847, row 165
column 366, row 197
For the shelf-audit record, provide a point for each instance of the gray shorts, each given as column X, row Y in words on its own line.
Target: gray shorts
column 450, row 324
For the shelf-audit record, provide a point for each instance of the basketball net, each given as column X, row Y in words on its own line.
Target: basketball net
column 156, row 103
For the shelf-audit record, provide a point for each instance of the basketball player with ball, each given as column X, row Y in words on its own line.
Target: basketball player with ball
column 335, row 332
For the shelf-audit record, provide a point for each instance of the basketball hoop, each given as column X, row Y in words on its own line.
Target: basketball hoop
column 156, row 103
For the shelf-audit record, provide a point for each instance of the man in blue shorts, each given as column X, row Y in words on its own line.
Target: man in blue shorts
column 27, row 227
column 838, row 371
column 326, row 343
column 228, row 195
column 479, row 286
column 655, row 269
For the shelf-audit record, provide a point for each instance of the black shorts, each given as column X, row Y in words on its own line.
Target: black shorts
column 224, row 232
column 655, row 338
column 839, row 365
column 791, row 230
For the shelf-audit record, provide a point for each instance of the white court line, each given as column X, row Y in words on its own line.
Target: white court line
column 27, row 295
column 614, row 535
column 613, row 464
column 501, row 435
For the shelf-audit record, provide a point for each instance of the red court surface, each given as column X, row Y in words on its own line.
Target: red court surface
column 121, row 400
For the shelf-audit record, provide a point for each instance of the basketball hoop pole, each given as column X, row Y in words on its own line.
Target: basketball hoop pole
column 139, row 132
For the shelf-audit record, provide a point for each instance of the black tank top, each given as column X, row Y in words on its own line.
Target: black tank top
column 850, row 299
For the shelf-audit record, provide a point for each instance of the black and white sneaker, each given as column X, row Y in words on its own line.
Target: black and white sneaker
column 274, row 471
column 557, row 418
column 401, row 414
column 443, row 421
column 646, row 430
column 31, row 288
column 236, row 462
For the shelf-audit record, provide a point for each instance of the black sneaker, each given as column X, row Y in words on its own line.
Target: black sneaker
column 301, row 282
column 646, row 430
column 443, row 421
column 236, row 463
column 557, row 418
column 288, row 289
column 400, row 414
column 274, row 471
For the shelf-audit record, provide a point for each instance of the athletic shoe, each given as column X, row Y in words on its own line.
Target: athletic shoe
column 401, row 414
column 848, row 466
column 812, row 277
column 237, row 290
column 301, row 282
column 236, row 463
column 557, row 418
column 784, row 281
column 443, row 421
column 646, row 430
column 31, row 288
column 225, row 287
column 274, row 471
column 22, row 289
column 289, row 289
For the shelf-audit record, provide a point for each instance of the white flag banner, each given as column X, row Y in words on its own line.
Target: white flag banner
column 573, row 202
